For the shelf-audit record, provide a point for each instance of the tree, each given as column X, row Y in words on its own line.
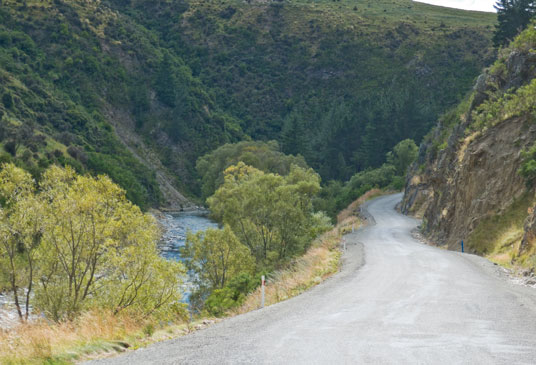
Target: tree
column 216, row 256
column 513, row 16
column 21, row 230
column 166, row 81
column 79, row 244
column 264, row 156
column 269, row 213
column 7, row 100
column 293, row 136
column 99, row 250
column 403, row 155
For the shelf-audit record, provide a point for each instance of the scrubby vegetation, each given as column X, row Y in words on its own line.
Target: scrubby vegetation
column 74, row 243
column 498, row 104
column 270, row 214
column 499, row 236
column 504, row 95
column 344, row 82
column 335, row 195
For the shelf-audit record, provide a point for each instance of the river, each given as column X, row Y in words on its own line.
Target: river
column 176, row 226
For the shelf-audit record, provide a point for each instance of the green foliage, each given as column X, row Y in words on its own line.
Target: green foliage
column 139, row 183
column 486, row 237
column 269, row 213
column 77, row 243
column 216, row 256
column 221, row 300
column 513, row 17
column 525, row 41
column 7, row 100
column 341, row 86
column 402, row 156
column 391, row 175
column 506, row 106
column 264, row 156
column 528, row 166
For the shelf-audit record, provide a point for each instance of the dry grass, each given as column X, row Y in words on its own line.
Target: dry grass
column 352, row 209
column 94, row 334
column 318, row 263
column 43, row 342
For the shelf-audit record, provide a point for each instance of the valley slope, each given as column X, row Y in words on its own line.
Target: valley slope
column 140, row 89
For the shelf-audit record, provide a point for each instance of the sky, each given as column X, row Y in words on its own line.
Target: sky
column 482, row 5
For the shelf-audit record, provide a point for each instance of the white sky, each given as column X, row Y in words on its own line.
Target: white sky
column 482, row 5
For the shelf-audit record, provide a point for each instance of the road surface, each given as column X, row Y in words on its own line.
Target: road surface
column 395, row 301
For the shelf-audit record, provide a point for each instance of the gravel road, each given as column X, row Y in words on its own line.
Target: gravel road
column 395, row 301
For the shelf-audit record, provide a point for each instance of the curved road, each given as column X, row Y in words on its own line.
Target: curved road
column 395, row 301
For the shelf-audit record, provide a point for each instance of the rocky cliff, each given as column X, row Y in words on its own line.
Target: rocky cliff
column 467, row 183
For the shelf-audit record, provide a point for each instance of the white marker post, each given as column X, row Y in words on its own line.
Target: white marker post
column 263, row 284
column 352, row 228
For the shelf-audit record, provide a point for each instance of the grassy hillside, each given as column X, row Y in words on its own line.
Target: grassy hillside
column 340, row 82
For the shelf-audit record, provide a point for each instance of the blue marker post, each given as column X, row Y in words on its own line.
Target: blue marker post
column 462, row 245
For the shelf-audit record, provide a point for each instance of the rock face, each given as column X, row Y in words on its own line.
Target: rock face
column 465, row 174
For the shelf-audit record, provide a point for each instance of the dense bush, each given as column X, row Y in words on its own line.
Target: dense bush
column 335, row 196
column 264, row 156
column 77, row 243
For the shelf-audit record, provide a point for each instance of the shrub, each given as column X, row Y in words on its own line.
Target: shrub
column 7, row 100
column 11, row 148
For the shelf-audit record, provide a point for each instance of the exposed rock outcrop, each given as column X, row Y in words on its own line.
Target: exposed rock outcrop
column 467, row 172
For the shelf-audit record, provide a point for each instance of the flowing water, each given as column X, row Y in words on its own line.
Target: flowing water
column 176, row 226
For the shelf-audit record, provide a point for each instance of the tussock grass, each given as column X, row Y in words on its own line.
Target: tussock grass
column 499, row 237
column 501, row 233
column 93, row 334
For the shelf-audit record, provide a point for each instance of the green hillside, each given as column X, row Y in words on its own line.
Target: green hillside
column 113, row 86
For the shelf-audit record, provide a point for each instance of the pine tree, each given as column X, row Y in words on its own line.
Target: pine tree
column 294, row 139
column 513, row 16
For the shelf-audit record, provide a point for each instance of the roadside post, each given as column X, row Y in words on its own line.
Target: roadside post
column 344, row 244
column 263, row 284
column 462, row 246
column 352, row 228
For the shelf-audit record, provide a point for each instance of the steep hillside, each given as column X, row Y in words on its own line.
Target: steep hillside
column 338, row 82
column 140, row 89
column 76, row 72
column 474, row 178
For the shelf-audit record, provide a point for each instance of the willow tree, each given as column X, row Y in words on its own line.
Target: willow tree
column 216, row 256
column 78, row 243
column 99, row 250
column 21, row 230
column 269, row 213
